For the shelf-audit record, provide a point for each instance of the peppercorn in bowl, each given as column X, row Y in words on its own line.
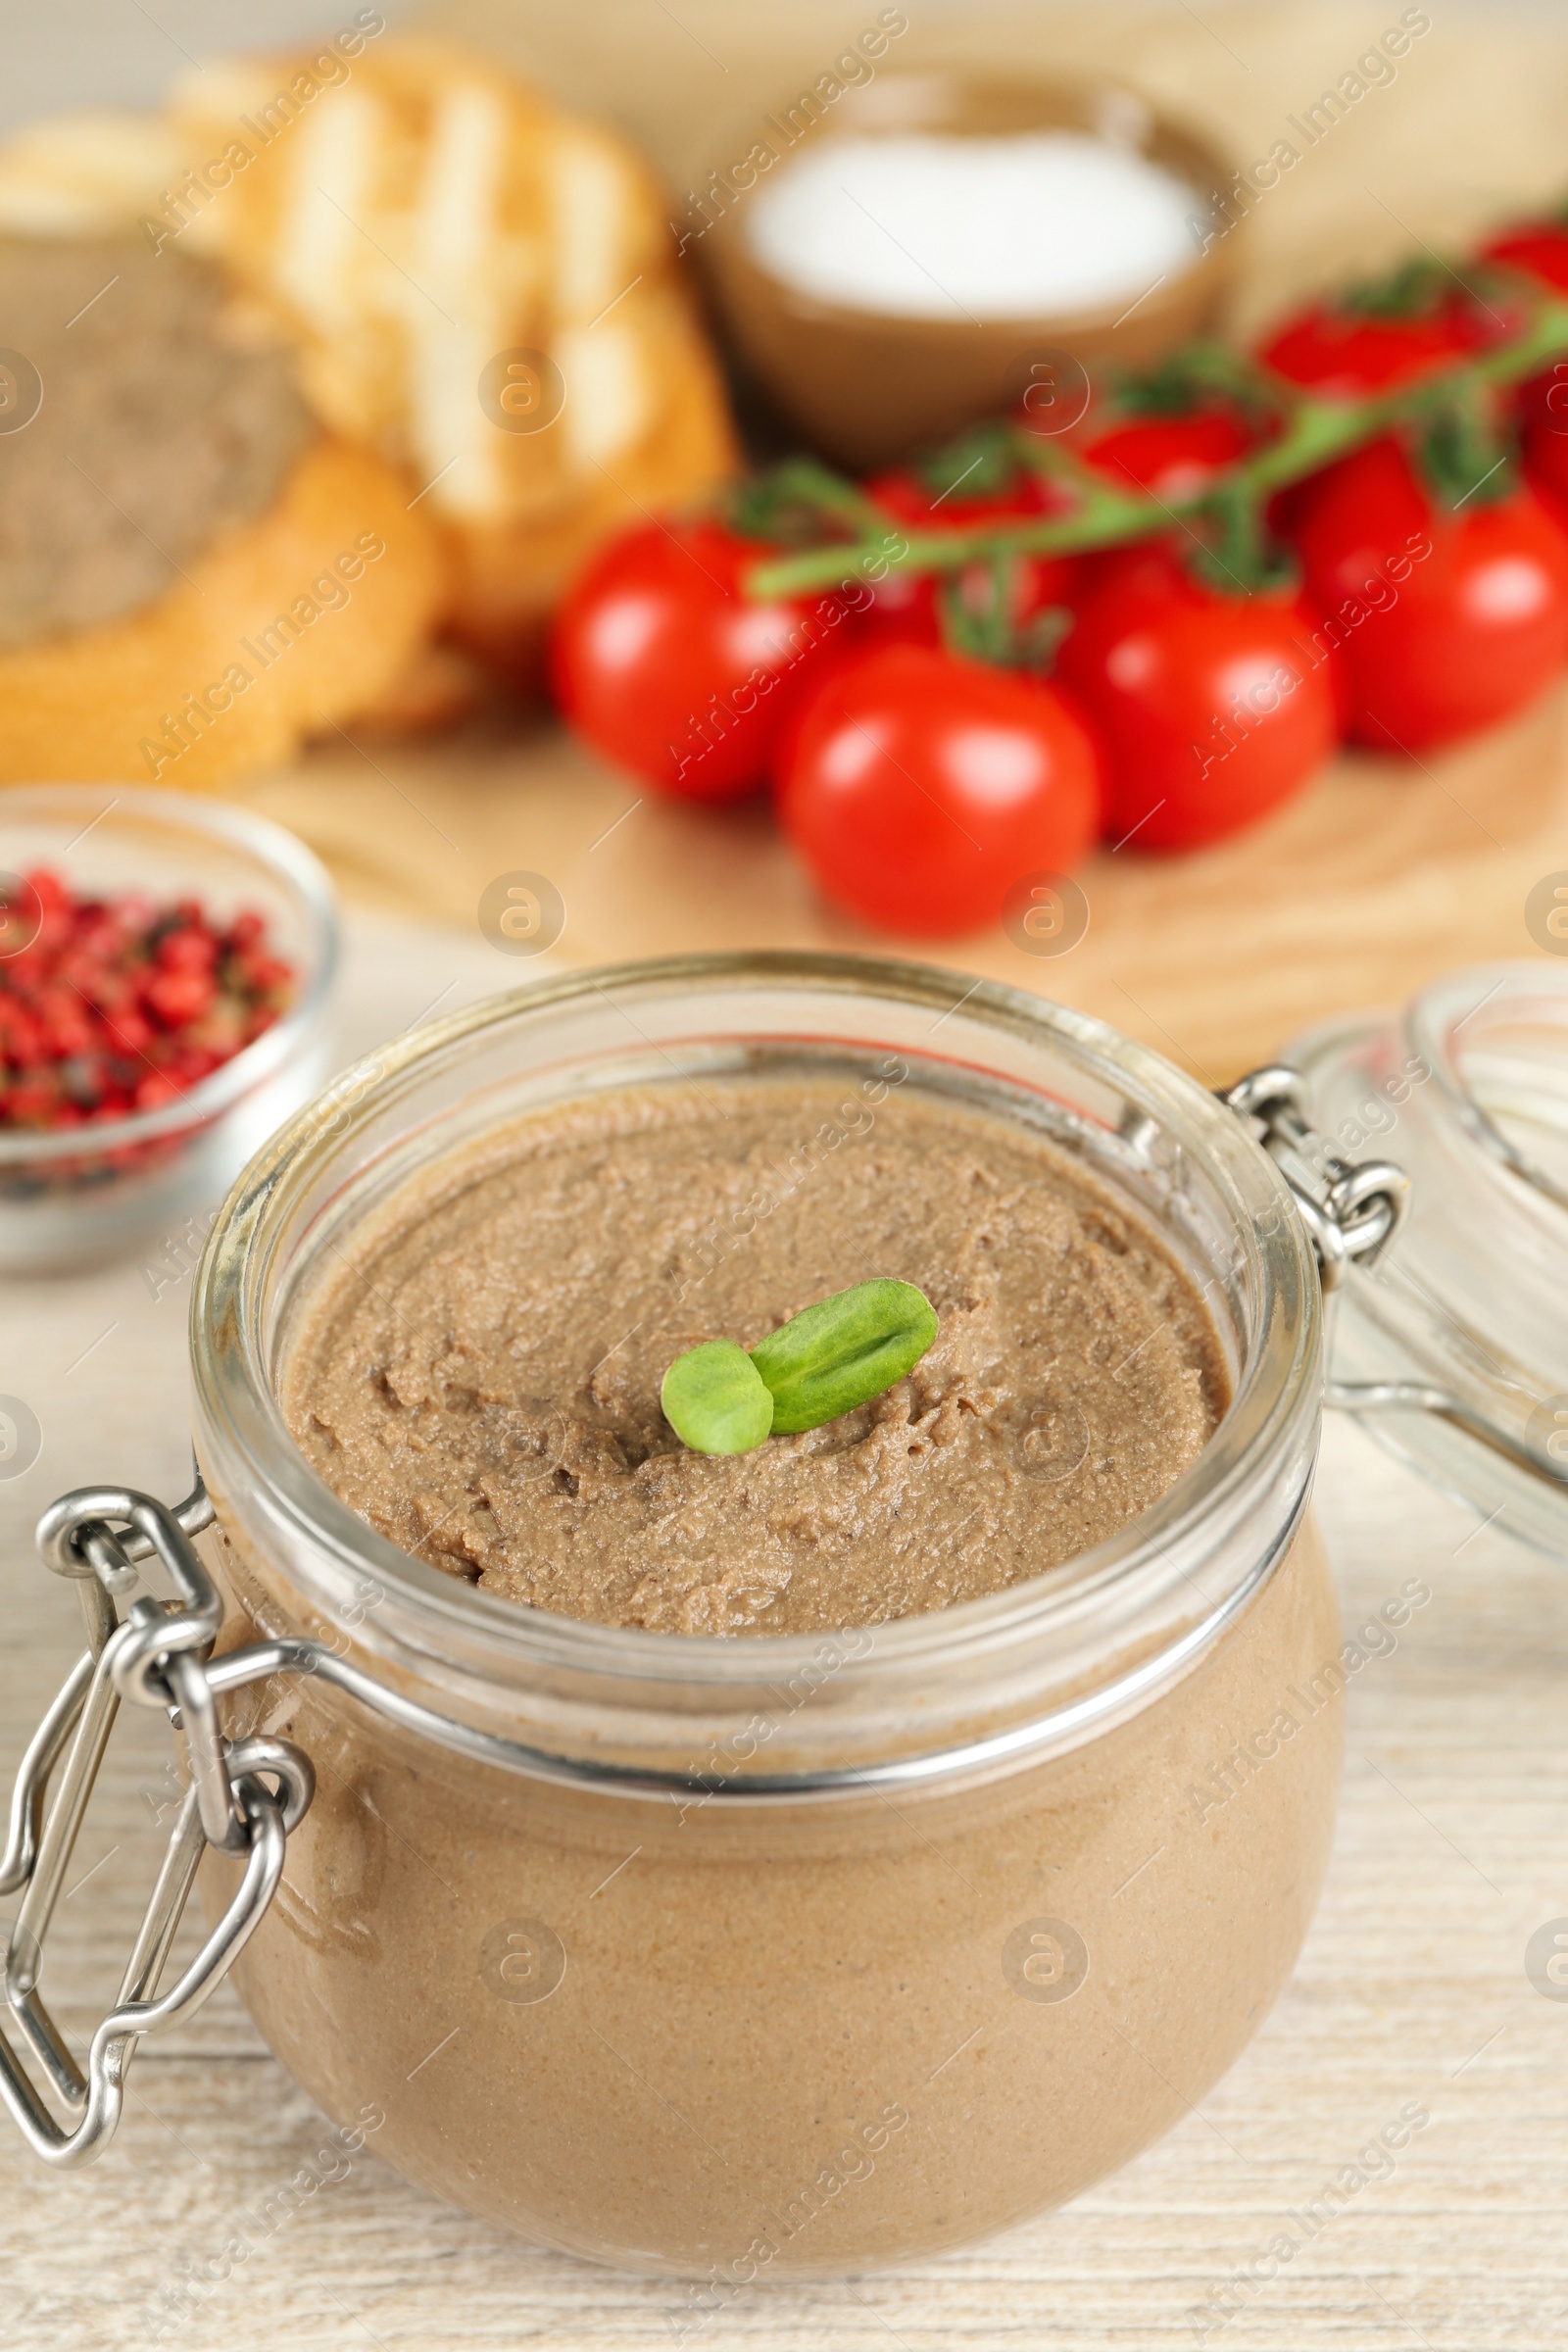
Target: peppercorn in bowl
column 166, row 969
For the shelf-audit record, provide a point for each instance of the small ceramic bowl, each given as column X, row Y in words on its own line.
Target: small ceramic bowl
column 868, row 388
column 109, row 1188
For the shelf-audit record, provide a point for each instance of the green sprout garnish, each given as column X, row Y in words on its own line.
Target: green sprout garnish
column 825, row 1361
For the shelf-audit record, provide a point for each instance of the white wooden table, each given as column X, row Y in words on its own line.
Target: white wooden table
column 1452, row 1850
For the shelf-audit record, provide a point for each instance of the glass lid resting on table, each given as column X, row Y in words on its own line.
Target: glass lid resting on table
column 1454, row 1347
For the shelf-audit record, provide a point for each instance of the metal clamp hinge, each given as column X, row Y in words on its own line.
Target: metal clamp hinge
column 1352, row 1210
column 244, row 1797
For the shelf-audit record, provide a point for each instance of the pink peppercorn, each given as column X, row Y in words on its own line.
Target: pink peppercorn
column 111, row 1005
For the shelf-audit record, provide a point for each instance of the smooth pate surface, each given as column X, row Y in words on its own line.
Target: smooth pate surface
column 479, row 1376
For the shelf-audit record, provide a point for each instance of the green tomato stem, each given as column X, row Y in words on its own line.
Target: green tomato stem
column 1316, row 431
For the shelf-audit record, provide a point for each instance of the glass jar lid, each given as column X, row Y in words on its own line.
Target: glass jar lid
column 1453, row 1346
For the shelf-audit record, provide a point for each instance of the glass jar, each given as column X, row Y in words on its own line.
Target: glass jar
column 780, row 1957
column 1453, row 1346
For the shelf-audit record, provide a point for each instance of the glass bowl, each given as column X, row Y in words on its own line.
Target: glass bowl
column 105, row 1189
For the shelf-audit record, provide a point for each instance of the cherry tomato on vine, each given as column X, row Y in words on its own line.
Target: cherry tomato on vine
column 903, row 606
column 922, row 787
column 662, row 662
column 1213, row 709
column 1372, row 340
column 1540, row 249
column 1543, row 412
column 1174, row 458
column 1452, row 619
column 1347, row 349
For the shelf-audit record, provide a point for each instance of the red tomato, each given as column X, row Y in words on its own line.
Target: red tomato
column 904, row 609
column 914, row 499
column 1342, row 353
column 1542, row 407
column 1347, row 354
column 854, row 647
column 1172, row 457
column 1213, row 709
column 922, row 787
column 659, row 659
column 1540, row 249
column 1437, row 644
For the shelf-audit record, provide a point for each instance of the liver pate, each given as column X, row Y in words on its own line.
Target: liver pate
column 479, row 1376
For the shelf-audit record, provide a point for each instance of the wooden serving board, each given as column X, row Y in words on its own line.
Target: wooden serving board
column 1380, row 877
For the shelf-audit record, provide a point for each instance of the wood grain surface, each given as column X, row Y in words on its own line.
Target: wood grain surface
column 1381, row 877
column 1450, row 1854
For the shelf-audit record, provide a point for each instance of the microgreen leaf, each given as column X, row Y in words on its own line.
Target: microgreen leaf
column 844, row 1351
column 822, row 1362
column 715, row 1400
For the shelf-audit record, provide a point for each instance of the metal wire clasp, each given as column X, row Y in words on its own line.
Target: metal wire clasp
column 1352, row 1210
column 244, row 1797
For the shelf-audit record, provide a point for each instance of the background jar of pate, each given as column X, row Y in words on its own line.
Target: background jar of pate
column 784, row 1957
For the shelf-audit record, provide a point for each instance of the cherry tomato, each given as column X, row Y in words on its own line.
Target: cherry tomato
column 1542, row 407
column 1344, row 352
column 1451, row 620
column 916, row 498
column 1348, row 351
column 661, row 661
column 1172, row 457
column 1174, row 460
column 1213, row 709
column 1540, row 249
column 854, row 646
column 922, row 786
column 904, row 608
